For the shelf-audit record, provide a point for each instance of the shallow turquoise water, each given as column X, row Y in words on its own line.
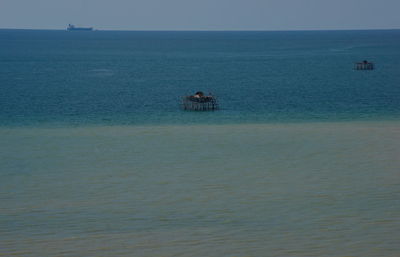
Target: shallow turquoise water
column 311, row 189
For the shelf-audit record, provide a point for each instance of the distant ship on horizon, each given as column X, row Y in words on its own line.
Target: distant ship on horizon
column 73, row 28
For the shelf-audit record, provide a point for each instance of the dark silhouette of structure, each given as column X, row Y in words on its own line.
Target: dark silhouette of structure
column 199, row 102
column 364, row 65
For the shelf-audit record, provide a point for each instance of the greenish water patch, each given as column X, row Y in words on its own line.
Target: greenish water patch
column 310, row 189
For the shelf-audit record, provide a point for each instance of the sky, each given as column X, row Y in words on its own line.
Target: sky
column 201, row 14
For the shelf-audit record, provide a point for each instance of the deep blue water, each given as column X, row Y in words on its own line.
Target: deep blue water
column 120, row 78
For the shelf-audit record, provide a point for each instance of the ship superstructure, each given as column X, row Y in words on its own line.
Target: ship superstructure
column 74, row 28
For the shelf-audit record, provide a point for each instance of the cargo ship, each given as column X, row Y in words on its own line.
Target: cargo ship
column 73, row 28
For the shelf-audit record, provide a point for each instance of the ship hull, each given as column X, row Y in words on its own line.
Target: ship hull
column 80, row 29
column 73, row 28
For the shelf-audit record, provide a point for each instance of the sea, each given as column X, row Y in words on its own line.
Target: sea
column 97, row 157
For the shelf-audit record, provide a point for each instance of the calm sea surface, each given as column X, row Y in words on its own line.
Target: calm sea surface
column 97, row 159
column 124, row 78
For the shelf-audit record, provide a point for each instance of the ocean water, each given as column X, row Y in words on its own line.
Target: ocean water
column 133, row 78
column 97, row 158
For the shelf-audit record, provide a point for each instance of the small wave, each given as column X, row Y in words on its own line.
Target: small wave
column 101, row 72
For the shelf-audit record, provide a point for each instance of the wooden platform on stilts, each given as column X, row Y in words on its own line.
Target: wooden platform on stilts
column 199, row 103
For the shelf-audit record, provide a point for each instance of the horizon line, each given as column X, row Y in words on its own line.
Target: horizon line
column 205, row 30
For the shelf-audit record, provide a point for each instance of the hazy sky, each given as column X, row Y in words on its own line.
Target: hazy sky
column 201, row 14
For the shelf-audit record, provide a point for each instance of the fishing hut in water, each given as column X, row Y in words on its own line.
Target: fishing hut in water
column 199, row 102
column 364, row 65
